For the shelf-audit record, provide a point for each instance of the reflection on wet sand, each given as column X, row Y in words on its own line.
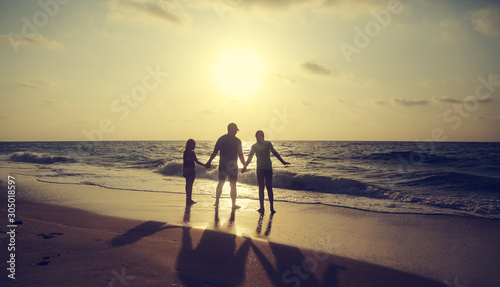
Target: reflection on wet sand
column 269, row 225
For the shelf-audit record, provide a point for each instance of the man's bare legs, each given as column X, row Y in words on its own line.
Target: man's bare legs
column 233, row 193
column 218, row 191
column 232, row 183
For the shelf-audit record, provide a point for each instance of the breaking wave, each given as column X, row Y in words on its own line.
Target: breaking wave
column 33, row 157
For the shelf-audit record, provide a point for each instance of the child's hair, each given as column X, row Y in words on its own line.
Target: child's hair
column 189, row 145
column 259, row 132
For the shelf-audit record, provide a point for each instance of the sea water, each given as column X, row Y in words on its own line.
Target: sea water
column 401, row 177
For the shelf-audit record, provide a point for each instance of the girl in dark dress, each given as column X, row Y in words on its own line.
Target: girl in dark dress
column 188, row 168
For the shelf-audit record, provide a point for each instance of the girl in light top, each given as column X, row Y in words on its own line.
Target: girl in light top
column 262, row 149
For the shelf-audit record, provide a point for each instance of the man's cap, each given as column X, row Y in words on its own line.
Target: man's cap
column 232, row 126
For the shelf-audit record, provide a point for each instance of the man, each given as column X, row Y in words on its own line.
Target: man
column 230, row 150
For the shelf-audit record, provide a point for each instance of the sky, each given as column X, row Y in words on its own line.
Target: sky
column 368, row 70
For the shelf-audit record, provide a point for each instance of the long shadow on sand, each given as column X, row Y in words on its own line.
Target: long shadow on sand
column 218, row 261
column 135, row 234
column 291, row 266
column 215, row 260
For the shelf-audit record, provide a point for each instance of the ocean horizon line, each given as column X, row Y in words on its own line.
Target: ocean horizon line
column 277, row 140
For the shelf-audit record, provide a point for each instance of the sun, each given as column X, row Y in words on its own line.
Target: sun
column 239, row 72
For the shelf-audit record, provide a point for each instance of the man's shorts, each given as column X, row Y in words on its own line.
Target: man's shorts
column 223, row 175
column 229, row 170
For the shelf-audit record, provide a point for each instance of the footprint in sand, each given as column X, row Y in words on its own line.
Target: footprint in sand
column 45, row 260
column 49, row 236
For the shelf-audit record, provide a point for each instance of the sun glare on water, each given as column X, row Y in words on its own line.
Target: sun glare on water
column 239, row 72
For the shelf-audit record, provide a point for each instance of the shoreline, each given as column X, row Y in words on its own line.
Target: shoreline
column 442, row 248
column 225, row 195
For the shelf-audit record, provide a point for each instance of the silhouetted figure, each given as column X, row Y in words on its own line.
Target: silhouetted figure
column 188, row 169
column 263, row 149
column 230, row 149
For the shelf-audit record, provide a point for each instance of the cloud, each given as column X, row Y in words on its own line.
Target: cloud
column 487, row 21
column 379, row 102
column 315, row 69
column 352, row 8
column 148, row 11
column 335, row 7
column 339, row 77
column 449, row 31
column 371, row 82
column 36, row 40
column 260, row 5
column 460, row 101
column 440, row 82
column 495, row 118
column 52, row 102
column 277, row 77
column 482, row 101
column 305, row 102
column 450, row 100
column 274, row 5
column 38, row 84
column 342, row 8
column 410, row 102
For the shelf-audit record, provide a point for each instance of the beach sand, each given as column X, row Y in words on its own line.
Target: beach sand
column 77, row 235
